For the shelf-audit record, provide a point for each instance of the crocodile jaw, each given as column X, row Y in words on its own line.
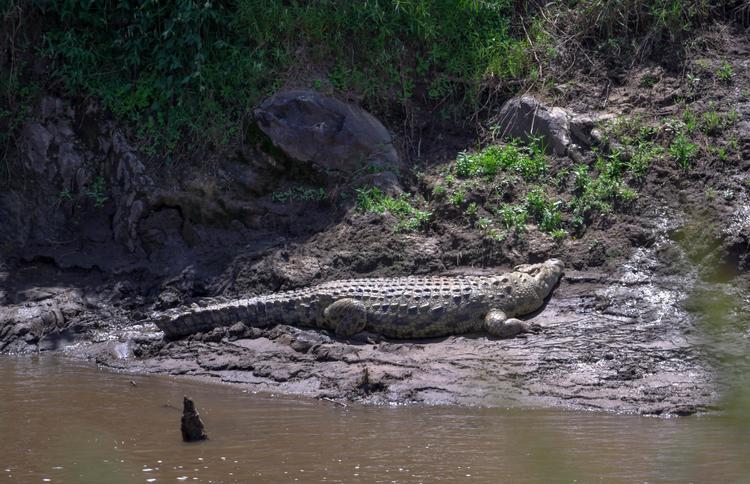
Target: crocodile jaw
column 548, row 276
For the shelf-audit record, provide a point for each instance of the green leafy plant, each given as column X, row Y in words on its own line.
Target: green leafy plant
column 711, row 122
column 529, row 161
column 725, row 72
column 644, row 154
column 439, row 191
column 690, row 120
column 483, row 223
column 546, row 213
column 65, row 195
column 457, row 198
column 97, row 192
column 514, row 217
column 372, row 199
column 683, row 151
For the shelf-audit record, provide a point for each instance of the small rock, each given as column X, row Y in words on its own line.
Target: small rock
column 237, row 330
column 192, row 426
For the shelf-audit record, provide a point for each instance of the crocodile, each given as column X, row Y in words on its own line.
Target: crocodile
column 400, row 308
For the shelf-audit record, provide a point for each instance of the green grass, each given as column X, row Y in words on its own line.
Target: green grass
column 683, row 151
column 638, row 138
column 530, row 198
column 644, row 154
column 372, row 199
column 725, row 72
column 712, row 122
column 690, row 120
column 528, row 161
column 457, row 198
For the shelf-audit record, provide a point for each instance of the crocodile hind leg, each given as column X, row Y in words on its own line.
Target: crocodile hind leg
column 346, row 316
column 499, row 325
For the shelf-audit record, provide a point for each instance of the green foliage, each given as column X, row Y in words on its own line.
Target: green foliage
column 599, row 194
column 96, row 192
column 372, row 199
column 732, row 117
column 190, row 70
column 439, row 191
column 299, row 194
column 725, row 72
column 528, row 161
column 457, row 198
column 644, row 154
column 691, row 121
column 483, row 224
column 637, row 138
column 546, row 213
column 721, row 153
column 683, row 151
column 711, row 122
column 514, row 217
column 625, row 27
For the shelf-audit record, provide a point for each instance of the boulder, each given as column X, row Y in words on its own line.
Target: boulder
column 332, row 135
column 525, row 116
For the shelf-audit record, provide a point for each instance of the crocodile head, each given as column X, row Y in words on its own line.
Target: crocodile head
column 546, row 274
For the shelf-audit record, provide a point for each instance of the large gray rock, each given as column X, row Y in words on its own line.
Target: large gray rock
column 522, row 117
column 312, row 128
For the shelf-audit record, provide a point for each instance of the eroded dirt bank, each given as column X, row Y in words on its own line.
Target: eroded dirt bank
column 96, row 238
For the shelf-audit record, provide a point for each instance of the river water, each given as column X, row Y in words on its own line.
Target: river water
column 67, row 421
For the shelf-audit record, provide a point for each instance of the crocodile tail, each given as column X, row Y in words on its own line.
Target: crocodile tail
column 257, row 311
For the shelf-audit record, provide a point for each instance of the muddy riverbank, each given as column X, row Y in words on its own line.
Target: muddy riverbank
column 631, row 341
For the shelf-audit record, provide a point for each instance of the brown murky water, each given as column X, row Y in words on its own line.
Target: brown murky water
column 66, row 421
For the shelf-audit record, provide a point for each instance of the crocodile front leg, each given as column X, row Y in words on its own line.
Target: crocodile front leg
column 346, row 316
column 499, row 325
